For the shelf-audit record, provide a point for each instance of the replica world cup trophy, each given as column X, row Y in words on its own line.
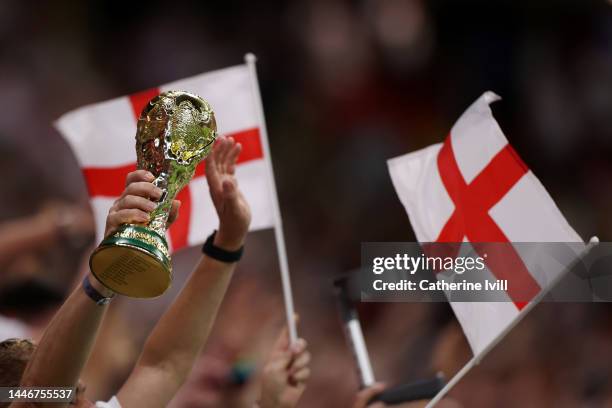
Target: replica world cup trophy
column 175, row 132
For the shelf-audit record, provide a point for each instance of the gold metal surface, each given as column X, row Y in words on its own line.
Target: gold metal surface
column 131, row 271
column 130, row 233
column 175, row 132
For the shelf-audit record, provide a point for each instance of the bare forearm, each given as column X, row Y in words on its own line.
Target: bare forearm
column 177, row 339
column 182, row 331
column 179, row 336
column 66, row 343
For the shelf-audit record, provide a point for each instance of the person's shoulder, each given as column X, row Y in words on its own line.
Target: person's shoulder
column 112, row 403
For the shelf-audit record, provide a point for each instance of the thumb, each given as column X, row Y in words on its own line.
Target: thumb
column 282, row 342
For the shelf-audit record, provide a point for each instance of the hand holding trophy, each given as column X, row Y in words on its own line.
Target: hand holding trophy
column 175, row 132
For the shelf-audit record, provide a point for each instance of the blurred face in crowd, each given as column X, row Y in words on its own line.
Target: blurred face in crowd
column 14, row 357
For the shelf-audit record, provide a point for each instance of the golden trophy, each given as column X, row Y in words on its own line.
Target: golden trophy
column 175, row 132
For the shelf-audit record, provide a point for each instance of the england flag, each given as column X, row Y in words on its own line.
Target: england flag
column 102, row 139
column 475, row 188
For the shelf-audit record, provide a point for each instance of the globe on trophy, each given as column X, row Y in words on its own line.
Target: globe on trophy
column 175, row 132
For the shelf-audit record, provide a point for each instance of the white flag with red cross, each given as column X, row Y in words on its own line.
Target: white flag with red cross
column 102, row 138
column 475, row 188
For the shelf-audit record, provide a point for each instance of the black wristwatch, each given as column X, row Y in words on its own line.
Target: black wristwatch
column 94, row 295
column 220, row 254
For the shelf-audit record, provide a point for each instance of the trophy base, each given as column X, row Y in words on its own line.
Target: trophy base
column 133, row 262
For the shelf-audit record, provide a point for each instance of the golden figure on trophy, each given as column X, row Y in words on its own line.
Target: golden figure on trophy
column 175, row 132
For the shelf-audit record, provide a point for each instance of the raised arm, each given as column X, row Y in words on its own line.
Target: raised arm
column 177, row 339
column 284, row 374
column 66, row 344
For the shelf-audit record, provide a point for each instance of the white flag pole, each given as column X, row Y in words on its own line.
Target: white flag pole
column 476, row 359
column 278, row 222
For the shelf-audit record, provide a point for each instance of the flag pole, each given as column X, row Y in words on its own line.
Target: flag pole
column 536, row 300
column 250, row 60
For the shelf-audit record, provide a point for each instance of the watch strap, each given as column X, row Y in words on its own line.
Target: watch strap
column 93, row 293
column 220, row 254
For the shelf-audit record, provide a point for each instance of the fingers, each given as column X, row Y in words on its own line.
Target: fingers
column 143, row 189
column 218, row 149
column 224, row 149
column 365, row 395
column 300, row 361
column 232, row 157
column 132, row 201
column 212, row 168
column 133, row 208
column 136, row 202
column 277, row 366
column 298, row 347
column 220, row 169
column 301, row 376
column 127, row 216
column 224, row 155
column 139, row 192
column 284, row 358
column 211, row 160
column 299, row 364
column 139, row 175
column 282, row 342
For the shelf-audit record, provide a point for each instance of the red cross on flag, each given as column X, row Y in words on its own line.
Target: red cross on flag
column 102, row 138
column 475, row 188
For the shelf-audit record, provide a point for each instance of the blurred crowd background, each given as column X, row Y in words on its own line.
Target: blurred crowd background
column 346, row 85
